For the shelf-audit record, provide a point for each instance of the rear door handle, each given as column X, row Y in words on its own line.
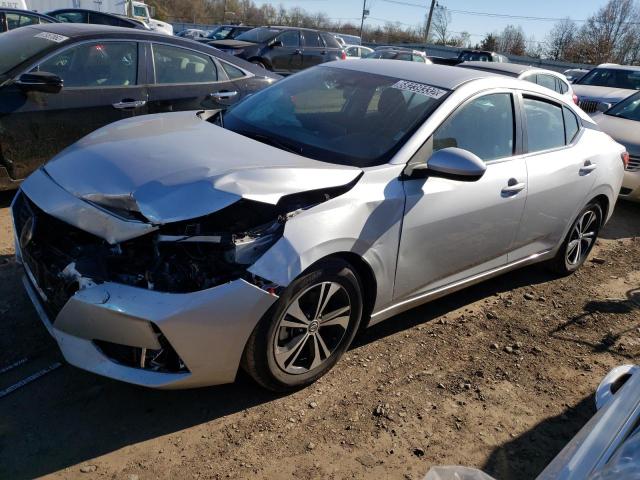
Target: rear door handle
column 223, row 95
column 588, row 168
column 129, row 104
column 513, row 187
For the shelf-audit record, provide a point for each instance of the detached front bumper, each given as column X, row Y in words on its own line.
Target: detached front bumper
column 207, row 329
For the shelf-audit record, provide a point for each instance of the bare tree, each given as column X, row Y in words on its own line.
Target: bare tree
column 512, row 41
column 608, row 33
column 440, row 25
column 561, row 38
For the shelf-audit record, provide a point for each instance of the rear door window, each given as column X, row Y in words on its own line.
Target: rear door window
column 484, row 126
column 178, row 65
column 312, row 39
column 289, row 38
column 545, row 125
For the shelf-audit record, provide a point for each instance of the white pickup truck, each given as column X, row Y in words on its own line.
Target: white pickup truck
column 129, row 8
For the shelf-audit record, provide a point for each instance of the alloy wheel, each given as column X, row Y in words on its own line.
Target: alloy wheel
column 583, row 235
column 312, row 328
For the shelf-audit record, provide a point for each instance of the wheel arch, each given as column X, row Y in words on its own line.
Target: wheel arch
column 367, row 278
column 603, row 201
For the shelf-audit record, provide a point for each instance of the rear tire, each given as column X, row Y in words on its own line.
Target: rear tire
column 304, row 334
column 579, row 241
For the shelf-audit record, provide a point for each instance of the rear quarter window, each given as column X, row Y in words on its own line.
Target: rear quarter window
column 571, row 125
column 329, row 40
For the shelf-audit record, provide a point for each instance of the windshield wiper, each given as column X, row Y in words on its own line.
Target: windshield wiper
column 274, row 142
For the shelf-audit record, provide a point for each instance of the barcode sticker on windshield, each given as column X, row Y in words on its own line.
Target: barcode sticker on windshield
column 54, row 37
column 421, row 88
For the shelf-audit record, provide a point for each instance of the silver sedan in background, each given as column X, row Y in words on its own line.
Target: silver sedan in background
column 168, row 250
column 622, row 122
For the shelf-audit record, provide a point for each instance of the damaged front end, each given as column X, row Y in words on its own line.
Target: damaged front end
column 179, row 257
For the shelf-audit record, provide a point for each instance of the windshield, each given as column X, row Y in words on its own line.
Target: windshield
column 612, row 77
column 21, row 44
column 628, row 108
column 258, row 35
column 220, row 33
column 336, row 115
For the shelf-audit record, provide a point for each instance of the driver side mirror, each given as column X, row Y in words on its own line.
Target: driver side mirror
column 40, row 82
column 276, row 43
column 453, row 163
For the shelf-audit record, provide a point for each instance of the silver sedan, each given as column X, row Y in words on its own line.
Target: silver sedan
column 168, row 250
column 622, row 122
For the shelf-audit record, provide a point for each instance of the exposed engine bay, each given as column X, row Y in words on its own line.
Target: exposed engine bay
column 179, row 257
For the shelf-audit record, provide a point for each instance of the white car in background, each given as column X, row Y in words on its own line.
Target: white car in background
column 607, row 84
column 357, row 51
column 545, row 78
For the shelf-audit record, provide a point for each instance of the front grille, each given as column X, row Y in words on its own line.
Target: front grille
column 588, row 106
column 634, row 164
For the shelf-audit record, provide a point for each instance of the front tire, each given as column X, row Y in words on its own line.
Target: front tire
column 579, row 241
column 307, row 330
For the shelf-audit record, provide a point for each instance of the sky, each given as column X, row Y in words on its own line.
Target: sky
column 476, row 25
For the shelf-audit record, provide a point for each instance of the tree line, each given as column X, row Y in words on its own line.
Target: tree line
column 612, row 34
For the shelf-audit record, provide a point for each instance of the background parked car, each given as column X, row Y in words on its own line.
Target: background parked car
column 192, row 33
column 59, row 82
column 11, row 18
column 546, row 78
column 398, row 54
column 471, row 56
column 607, row 83
column 357, row 51
column 79, row 15
column 348, row 39
column 284, row 49
column 622, row 122
column 224, row 32
column 574, row 74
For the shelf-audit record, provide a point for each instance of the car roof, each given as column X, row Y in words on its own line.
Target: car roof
column 81, row 30
column 442, row 76
column 615, row 66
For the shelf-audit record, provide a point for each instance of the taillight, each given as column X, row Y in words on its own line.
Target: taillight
column 575, row 99
column 343, row 55
column 625, row 159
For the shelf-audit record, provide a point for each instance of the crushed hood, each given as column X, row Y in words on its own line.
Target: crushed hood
column 601, row 94
column 174, row 167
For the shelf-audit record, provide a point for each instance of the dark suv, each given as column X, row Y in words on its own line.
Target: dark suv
column 284, row 49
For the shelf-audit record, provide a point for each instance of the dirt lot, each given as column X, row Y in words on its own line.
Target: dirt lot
column 499, row 376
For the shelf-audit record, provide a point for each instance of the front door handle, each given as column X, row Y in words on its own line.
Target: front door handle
column 223, row 95
column 513, row 187
column 129, row 104
column 297, row 52
column 587, row 168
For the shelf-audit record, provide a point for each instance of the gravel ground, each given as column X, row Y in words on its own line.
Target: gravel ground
column 499, row 376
